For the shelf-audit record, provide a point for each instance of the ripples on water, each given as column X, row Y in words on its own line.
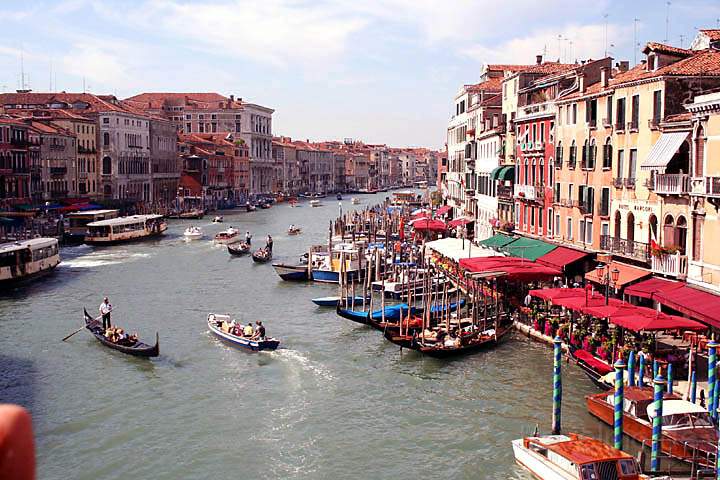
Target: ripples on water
column 336, row 401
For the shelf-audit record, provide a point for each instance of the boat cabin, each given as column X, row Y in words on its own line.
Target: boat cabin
column 77, row 222
column 27, row 258
column 125, row 228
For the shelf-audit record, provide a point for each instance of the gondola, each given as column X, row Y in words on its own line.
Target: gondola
column 335, row 301
column 139, row 349
column 294, row 230
column 393, row 313
column 470, row 343
column 262, row 255
column 593, row 367
column 238, row 249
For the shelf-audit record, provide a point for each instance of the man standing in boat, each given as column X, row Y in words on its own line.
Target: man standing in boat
column 105, row 309
column 269, row 244
column 259, row 331
column 248, row 238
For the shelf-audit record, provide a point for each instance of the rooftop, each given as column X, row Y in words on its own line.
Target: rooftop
column 32, row 243
column 123, row 220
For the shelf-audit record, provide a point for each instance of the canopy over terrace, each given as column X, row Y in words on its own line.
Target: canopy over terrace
column 443, row 210
column 528, row 248
column 511, row 268
column 456, row 248
column 640, row 319
column 497, row 241
column 429, row 225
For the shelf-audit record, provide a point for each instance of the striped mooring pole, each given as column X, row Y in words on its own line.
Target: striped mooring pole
column 669, row 378
column 657, row 423
column 655, row 368
column 693, row 387
column 557, row 386
column 618, row 423
column 641, row 371
column 712, row 361
column 631, row 369
column 717, row 462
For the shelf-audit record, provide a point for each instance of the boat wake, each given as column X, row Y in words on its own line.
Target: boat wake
column 100, row 259
column 294, row 357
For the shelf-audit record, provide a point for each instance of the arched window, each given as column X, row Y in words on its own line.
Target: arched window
column 607, row 153
column 559, row 155
column 592, row 154
column 653, row 231
column 618, row 224
column 585, row 155
column 526, row 173
column 573, row 155
column 542, row 171
column 681, row 234
column 700, row 152
column 668, row 231
column 533, row 172
column 630, row 233
column 107, row 166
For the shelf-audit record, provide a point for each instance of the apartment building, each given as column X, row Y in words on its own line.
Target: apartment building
column 14, row 161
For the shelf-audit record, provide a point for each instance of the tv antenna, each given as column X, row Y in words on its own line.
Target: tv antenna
column 667, row 23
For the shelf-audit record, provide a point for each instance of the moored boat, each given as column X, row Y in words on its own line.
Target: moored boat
column 125, row 229
column 193, row 233
column 291, row 273
column 470, row 340
column 250, row 207
column 27, row 259
column 230, row 235
column 334, row 301
column 573, row 457
column 315, row 203
column 220, row 326
column 238, row 249
column 595, row 368
column 262, row 255
column 194, row 214
column 135, row 348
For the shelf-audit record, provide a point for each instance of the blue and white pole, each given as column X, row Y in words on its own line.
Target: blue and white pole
column 655, row 368
column 641, row 371
column 693, row 387
column 657, row 424
column 557, row 386
column 618, row 411
column 712, row 362
column 669, row 378
column 631, row 369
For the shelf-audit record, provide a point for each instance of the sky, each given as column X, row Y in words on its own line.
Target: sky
column 380, row 71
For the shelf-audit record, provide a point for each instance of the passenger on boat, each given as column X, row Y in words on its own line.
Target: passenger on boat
column 248, row 331
column 248, row 238
column 259, row 331
column 105, row 309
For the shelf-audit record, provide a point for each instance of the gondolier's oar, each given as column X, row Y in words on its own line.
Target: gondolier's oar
column 79, row 329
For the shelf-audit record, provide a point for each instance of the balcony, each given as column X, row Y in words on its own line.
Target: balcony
column 82, row 149
column 618, row 182
column 630, row 183
column 505, row 192
column 654, row 123
column 607, row 123
column 672, row 264
column 526, row 192
column 58, row 170
column 671, row 184
column 17, row 142
column 625, row 248
column 706, row 186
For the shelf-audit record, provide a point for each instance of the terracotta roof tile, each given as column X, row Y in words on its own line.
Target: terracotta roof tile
column 490, row 85
column 712, row 33
column 507, row 67
column 550, row 67
column 661, row 47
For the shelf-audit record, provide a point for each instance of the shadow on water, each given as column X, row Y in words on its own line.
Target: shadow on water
column 18, row 377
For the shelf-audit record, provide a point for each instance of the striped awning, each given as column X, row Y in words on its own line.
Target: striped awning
column 663, row 151
column 496, row 171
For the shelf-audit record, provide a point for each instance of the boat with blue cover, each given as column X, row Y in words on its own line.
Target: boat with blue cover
column 219, row 325
column 393, row 313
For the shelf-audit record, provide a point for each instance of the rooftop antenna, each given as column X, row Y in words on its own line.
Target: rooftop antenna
column 22, row 70
column 606, row 38
column 83, row 84
column 635, row 42
column 667, row 22
column 682, row 39
column 559, row 48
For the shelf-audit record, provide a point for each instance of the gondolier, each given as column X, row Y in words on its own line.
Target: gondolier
column 105, row 309
column 248, row 238
column 269, row 243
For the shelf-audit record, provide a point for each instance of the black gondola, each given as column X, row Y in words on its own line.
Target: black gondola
column 138, row 349
column 262, row 255
column 238, row 249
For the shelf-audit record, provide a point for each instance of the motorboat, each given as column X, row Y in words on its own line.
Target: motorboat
column 222, row 327
column 326, row 265
column 231, row 235
column 218, row 219
column 291, row 273
column 125, row 229
column 573, row 457
column 355, row 201
column 193, row 233
column 315, row 203
column 293, row 230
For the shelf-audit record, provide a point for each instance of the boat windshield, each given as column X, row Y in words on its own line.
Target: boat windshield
column 677, row 421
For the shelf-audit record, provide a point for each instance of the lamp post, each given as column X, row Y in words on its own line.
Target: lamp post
column 608, row 276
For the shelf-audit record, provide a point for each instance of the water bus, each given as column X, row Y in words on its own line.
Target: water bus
column 27, row 259
column 125, row 229
column 77, row 222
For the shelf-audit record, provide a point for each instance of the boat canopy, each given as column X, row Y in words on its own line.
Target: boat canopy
column 455, row 249
column 676, row 407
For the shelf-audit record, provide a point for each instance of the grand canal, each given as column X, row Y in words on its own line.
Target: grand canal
column 337, row 401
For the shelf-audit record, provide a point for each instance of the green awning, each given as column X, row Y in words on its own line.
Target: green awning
column 496, row 173
column 507, row 173
column 497, row 241
column 528, row 248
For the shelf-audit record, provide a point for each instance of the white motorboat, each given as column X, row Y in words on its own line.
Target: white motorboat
column 218, row 219
column 193, row 233
column 231, row 235
column 355, row 201
column 293, row 230
column 315, row 203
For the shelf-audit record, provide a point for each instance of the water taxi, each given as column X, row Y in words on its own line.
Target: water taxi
column 222, row 327
column 125, row 229
column 326, row 266
column 573, row 457
column 218, row 219
column 315, row 203
column 77, row 222
column 194, row 214
column 27, row 259
column 355, row 201
column 231, row 235
column 193, row 233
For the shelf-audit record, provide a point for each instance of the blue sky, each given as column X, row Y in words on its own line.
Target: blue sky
column 381, row 71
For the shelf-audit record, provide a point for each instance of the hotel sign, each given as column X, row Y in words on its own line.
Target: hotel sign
column 636, row 208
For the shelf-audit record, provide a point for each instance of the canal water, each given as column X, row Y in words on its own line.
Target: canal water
column 336, row 401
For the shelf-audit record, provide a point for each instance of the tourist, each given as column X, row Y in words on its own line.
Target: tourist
column 259, row 331
column 248, row 332
column 248, row 238
column 105, row 309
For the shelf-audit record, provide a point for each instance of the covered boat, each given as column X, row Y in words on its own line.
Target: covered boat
column 219, row 325
column 137, row 348
column 231, row 235
column 27, row 259
column 125, row 229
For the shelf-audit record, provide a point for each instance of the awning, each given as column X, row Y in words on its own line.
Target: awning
column 528, row 248
column 443, row 210
column 495, row 174
column 561, row 257
column 551, row 294
column 497, row 241
column 460, row 221
column 428, row 224
column 662, row 152
column 647, row 288
column 512, row 268
column 507, row 174
column 627, row 275
column 456, row 249
column 700, row 305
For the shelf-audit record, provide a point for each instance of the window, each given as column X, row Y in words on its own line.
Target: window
column 620, row 114
column 532, row 216
column 540, row 219
column 635, row 112
column 607, row 154
column 560, row 115
column 550, row 221
column 568, row 120
column 557, row 192
column 700, row 152
column 557, row 224
column 605, row 229
column 106, row 139
column 605, row 202
column 542, row 132
column 574, row 113
column 106, row 120
column 570, row 192
column 581, row 230
column 569, row 229
column 188, row 128
column 588, row 231
column 621, row 164
column 573, row 155
column 632, row 164
column 657, row 106
column 559, row 155
column 608, row 111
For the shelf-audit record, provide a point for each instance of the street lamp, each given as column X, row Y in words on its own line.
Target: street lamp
column 607, row 276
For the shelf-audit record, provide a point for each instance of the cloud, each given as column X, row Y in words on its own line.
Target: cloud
column 105, row 68
column 576, row 42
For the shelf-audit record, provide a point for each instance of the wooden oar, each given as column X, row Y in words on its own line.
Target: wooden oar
column 79, row 329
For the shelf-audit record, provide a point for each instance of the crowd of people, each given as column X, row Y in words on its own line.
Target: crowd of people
column 248, row 331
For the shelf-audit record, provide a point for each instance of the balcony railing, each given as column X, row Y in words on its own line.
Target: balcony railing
column 526, row 192
column 672, row 264
column 618, row 182
column 706, row 186
column 504, row 191
column 625, row 248
column 630, row 183
column 58, row 170
column 671, row 184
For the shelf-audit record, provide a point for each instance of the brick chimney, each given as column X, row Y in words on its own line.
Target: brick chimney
column 538, row 59
column 581, row 82
column 604, row 76
column 623, row 66
column 232, row 98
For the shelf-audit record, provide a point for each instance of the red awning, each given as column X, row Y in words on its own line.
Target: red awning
column 700, row 305
column 562, row 256
column 647, row 288
column 443, row 210
column 459, row 221
column 429, row 224
column 640, row 319
column 627, row 274
column 579, row 302
column 551, row 294
column 515, row 268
